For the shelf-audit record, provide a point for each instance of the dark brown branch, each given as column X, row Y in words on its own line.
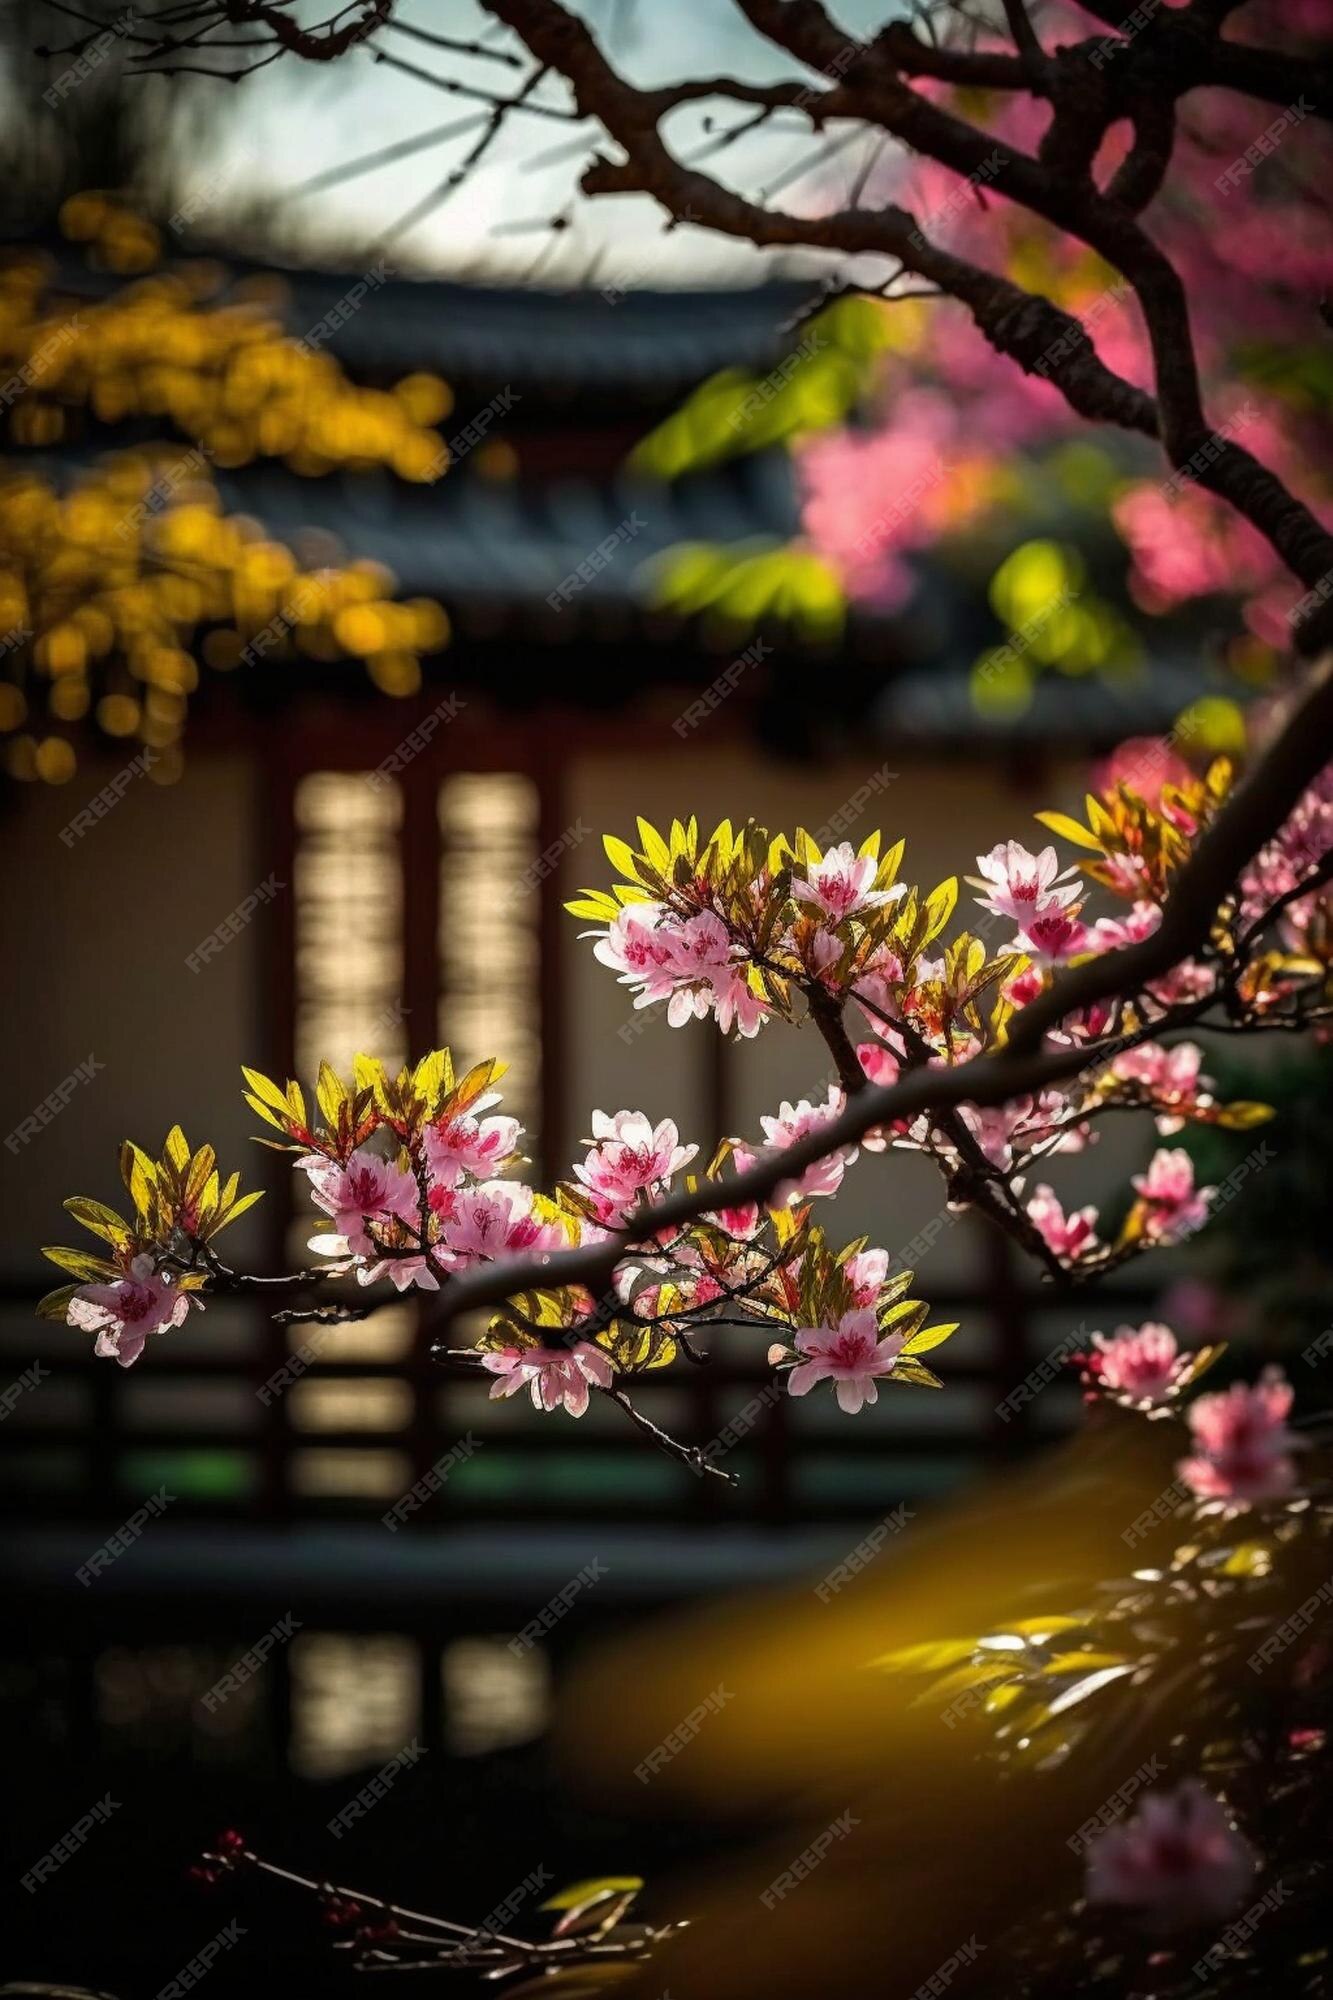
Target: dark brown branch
column 692, row 1455
column 1024, row 34
column 1017, row 323
column 978, row 69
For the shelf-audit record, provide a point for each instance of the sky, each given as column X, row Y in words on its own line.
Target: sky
column 286, row 136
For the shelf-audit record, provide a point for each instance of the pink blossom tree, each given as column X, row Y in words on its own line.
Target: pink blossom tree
column 1185, row 902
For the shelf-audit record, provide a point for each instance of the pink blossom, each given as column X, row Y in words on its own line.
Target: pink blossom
column 1143, row 1365
column 1179, row 1861
column 866, row 1273
column 469, row 1145
column 1146, row 765
column 883, row 1068
column 1169, row 1077
column 367, row 1189
column 123, row 1312
column 1023, row 988
column 1111, row 933
column 558, row 1377
column 1066, row 1235
column 1025, row 886
column 1173, row 1207
column 736, row 1005
column 880, row 1064
column 1190, row 980
column 407, row 1266
column 631, row 1157
column 742, row 1221
column 993, row 1126
column 638, row 950
column 878, row 993
column 797, row 1121
column 1124, row 874
column 1242, row 1442
column 842, row 884
column 495, row 1220
column 819, row 951
column 1053, row 935
column 689, row 962
column 1086, row 1024
column 1163, row 1073
column 851, row 1355
column 700, row 947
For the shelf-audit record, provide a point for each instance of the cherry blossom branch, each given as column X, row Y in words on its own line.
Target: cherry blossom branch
column 1250, row 818
column 694, row 1456
column 376, row 1930
column 971, row 1178
column 1025, row 1065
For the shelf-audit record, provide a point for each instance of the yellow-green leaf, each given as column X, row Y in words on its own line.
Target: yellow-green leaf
column 88, row 1270
column 597, row 905
column 621, row 856
column 264, row 1088
column 262, row 1110
column 103, row 1221
column 930, row 1336
column 1069, row 829
column 329, row 1095
column 579, row 1893
column 926, row 1656
column 1242, row 1113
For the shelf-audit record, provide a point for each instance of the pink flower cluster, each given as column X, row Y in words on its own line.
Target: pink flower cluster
column 1179, row 1862
column 1170, row 1206
column 1292, row 858
column 697, row 966
column 125, row 1311
column 557, row 1378
column 1242, row 1446
column 1038, row 897
column 841, row 885
column 851, row 1355
column 1169, row 1077
column 1070, row 1236
column 1143, row 1366
column 630, row 1163
column 690, row 962
column 798, row 1121
column 376, row 1208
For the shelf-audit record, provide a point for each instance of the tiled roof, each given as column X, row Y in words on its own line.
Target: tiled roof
column 468, row 537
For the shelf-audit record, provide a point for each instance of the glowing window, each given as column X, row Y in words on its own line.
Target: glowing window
column 355, row 1701
column 489, row 906
column 349, row 921
column 492, row 1696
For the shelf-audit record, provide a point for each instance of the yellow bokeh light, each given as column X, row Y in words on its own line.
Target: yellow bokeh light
column 70, row 699
column 118, row 714
column 395, row 673
column 21, row 758
column 425, row 398
column 135, row 562
column 55, row 760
